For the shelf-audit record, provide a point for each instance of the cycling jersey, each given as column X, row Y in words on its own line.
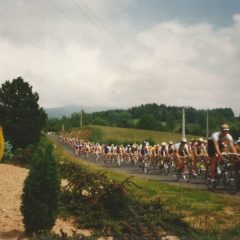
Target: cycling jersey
column 218, row 137
column 182, row 149
column 164, row 151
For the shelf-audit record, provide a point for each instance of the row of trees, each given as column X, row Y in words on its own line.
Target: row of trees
column 152, row 117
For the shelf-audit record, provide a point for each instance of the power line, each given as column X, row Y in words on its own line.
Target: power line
column 100, row 26
column 97, row 23
column 67, row 17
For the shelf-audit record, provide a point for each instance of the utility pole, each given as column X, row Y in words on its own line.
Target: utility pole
column 207, row 127
column 183, row 122
column 81, row 118
column 63, row 127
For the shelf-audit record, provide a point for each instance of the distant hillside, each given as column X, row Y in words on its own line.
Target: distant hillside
column 104, row 134
column 59, row 112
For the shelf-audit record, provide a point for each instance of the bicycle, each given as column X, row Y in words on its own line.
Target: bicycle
column 185, row 172
column 225, row 173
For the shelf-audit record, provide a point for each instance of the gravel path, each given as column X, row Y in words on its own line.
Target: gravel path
column 11, row 183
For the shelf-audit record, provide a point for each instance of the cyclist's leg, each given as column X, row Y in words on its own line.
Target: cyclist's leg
column 213, row 166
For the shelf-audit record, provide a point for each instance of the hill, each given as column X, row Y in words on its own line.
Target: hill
column 59, row 112
column 109, row 135
column 152, row 117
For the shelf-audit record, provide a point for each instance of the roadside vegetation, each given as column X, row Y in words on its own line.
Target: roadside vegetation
column 182, row 211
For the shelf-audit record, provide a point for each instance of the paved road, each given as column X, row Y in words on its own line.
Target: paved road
column 198, row 182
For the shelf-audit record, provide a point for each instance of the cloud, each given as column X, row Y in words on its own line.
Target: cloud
column 90, row 55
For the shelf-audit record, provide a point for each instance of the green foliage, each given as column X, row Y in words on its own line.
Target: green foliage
column 96, row 135
column 92, row 193
column 148, row 121
column 23, row 156
column 53, row 125
column 52, row 236
column 111, row 209
column 41, row 192
column 152, row 116
column 20, row 115
column 8, row 153
column 150, row 141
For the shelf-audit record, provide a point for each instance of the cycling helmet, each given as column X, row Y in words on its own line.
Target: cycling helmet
column 184, row 140
column 225, row 127
column 200, row 140
column 164, row 144
column 170, row 143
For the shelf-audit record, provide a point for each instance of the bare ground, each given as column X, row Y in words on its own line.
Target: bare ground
column 11, row 226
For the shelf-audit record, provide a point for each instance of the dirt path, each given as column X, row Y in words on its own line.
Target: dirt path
column 11, row 183
column 11, row 226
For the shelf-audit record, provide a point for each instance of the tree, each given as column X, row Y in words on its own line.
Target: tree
column 20, row 115
column 41, row 192
column 147, row 121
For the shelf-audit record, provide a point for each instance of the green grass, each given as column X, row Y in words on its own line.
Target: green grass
column 125, row 135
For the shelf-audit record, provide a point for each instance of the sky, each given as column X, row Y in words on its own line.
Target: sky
column 124, row 53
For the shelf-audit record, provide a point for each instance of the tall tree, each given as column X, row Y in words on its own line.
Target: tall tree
column 20, row 115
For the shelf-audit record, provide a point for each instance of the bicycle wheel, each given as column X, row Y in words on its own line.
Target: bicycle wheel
column 187, row 174
column 146, row 167
column 166, row 169
column 231, row 186
column 177, row 174
column 211, row 185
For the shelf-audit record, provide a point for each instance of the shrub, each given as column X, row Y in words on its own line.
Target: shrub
column 24, row 155
column 41, row 192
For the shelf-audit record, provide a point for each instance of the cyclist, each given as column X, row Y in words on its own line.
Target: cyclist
column 164, row 155
column 237, row 145
column 170, row 148
column 200, row 154
column 181, row 150
column 164, row 150
column 216, row 146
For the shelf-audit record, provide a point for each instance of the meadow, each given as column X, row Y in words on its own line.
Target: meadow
column 105, row 134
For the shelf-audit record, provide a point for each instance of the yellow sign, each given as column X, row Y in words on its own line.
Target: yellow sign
column 1, row 143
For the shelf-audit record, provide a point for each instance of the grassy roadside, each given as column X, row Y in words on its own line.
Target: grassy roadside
column 211, row 214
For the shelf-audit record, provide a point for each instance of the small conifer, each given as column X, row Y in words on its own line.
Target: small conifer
column 41, row 192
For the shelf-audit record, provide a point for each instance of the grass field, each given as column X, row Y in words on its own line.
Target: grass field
column 105, row 134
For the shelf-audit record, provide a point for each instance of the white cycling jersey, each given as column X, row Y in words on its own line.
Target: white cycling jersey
column 177, row 146
column 216, row 136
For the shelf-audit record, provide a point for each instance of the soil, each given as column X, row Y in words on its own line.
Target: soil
column 11, row 226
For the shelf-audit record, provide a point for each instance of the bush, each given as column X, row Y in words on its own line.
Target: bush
column 110, row 209
column 23, row 155
column 41, row 192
